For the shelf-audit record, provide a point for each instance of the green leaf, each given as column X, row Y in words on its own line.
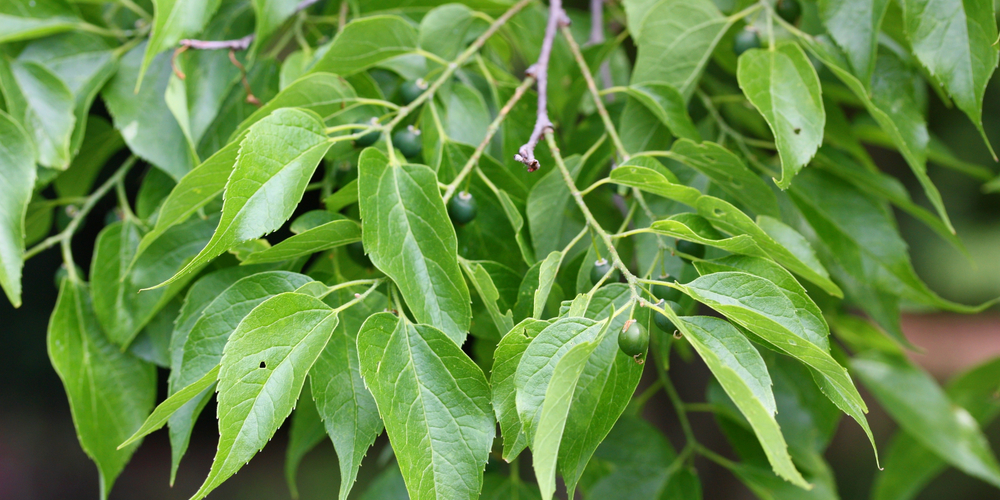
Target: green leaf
column 506, row 358
column 892, row 104
column 854, row 25
column 26, row 19
column 172, row 21
column 729, row 173
column 534, row 371
column 346, row 196
column 763, row 308
column 215, row 324
column 551, row 211
column 446, row 30
column 782, row 84
column 84, row 62
column 199, row 296
column 17, row 173
column 435, row 403
column 306, row 432
column 653, row 181
column 270, row 14
column 500, row 487
column 957, row 48
column 922, row 409
column 884, row 186
column 633, row 462
column 742, row 373
column 546, row 277
column 110, row 392
column 675, row 39
column 263, row 369
column 909, row 465
column 554, row 411
column 207, row 181
column 487, row 291
column 277, row 158
column 861, row 236
column 143, row 118
column 324, row 237
column 409, row 237
column 365, row 42
column 43, row 105
column 603, row 390
column 164, row 410
column 100, row 142
column 668, row 105
column 121, row 309
column 348, row 410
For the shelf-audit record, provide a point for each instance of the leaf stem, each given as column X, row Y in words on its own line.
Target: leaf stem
column 609, row 126
column 88, row 205
column 490, row 132
column 358, row 297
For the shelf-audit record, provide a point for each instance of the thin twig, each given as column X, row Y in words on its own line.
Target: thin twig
column 597, row 36
column 595, row 93
column 237, row 44
column 540, row 71
column 490, row 132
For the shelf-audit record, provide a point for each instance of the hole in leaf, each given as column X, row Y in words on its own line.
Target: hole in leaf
column 263, row 364
column 719, row 212
column 797, row 130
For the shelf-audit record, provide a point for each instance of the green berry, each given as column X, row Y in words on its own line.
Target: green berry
column 664, row 292
column 633, row 340
column 789, row 10
column 691, row 248
column 408, row 141
column 411, row 90
column 601, row 267
column 369, row 138
column 745, row 40
column 356, row 251
column 462, row 208
column 662, row 321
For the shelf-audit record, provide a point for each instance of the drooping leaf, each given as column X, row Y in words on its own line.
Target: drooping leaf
column 26, row 19
column 506, row 358
column 121, row 309
column 763, row 308
column 861, row 235
column 782, row 84
column 955, row 40
column 17, row 173
column 409, row 237
column 365, row 42
column 164, row 410
column 855, row 25
column 172, row 21
column 143, row 118
column 43, row 105
column 892, row 104
column 435, row 403
column 534, row 371
column 922, row 409
column 276, row 160
column 550, row 210
column 729, row 173
column 602, row 391
column 306, row 432
column 84, row 62
column 554, row 411
column 262, row 372
column 653, row 181
column 675, row 39
column 347, row 408
column 330, row 235
column 487, row 291
column 740, row 370
column 909, row 465
column 668, row 105
column 633, row 462
column 110, row 392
